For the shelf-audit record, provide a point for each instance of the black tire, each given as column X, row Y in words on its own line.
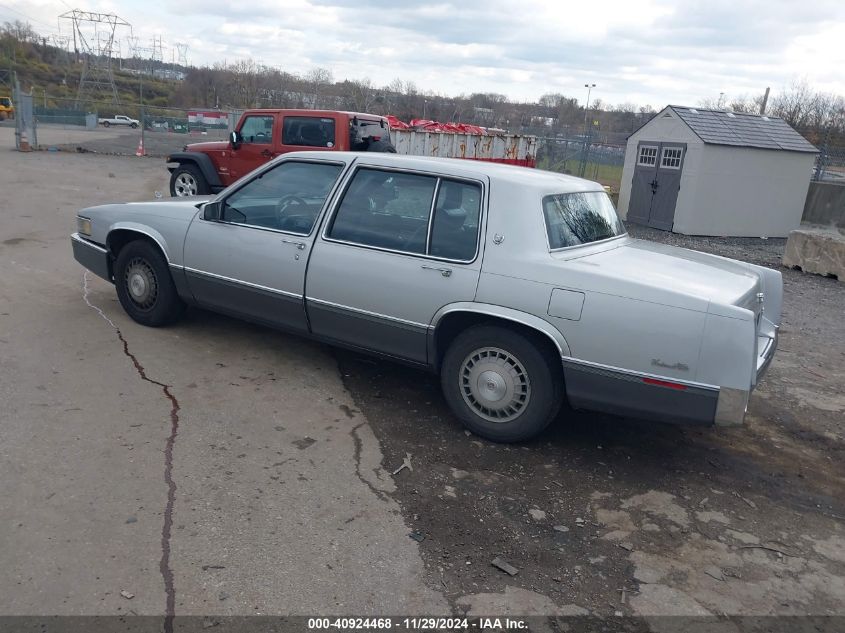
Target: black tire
column 187, row 180
column 152, row 300
column 134, row 125
column 106, row 123
column 381, row 146
column 536, row 371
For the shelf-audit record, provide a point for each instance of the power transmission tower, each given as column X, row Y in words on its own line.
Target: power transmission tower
column 93, row 37
column 181, row 54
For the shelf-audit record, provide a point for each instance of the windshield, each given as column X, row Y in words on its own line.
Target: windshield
column 5, row 101
column 580, row 218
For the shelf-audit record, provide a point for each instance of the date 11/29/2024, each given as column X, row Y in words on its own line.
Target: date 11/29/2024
column 488, row 624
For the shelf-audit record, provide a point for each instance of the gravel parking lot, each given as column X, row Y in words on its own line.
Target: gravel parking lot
column 217, row 467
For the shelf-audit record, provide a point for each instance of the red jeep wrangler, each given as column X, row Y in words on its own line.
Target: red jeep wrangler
column 260, row 135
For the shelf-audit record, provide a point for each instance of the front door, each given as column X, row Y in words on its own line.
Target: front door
column 656, row 182
column 399, row 247
column 251, row 262
column 259, row 134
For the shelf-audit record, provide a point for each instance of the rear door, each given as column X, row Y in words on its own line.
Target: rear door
column 399, row 246
column 259, row 135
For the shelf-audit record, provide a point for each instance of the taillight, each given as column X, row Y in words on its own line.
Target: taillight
column 664, row 383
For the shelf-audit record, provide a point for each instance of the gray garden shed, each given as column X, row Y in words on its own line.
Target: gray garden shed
column 711, row 172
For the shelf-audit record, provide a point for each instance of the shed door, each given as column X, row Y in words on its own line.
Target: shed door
column 657, row 179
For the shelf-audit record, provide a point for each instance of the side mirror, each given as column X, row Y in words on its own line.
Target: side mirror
column 235, row 139
column 212, row 211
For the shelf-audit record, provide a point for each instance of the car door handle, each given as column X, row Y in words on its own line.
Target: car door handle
column 446, row 272
column 299, row 245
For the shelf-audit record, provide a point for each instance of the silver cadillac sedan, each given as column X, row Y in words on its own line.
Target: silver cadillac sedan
column 518, row 286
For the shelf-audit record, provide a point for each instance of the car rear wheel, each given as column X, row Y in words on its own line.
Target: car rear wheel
column 502, row 385
column 187, row 180
column 144, row 285
column 106, row 124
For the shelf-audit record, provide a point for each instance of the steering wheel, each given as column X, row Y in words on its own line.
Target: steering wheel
column 285, row 202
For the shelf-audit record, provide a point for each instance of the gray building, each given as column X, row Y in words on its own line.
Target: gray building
column 711, row 172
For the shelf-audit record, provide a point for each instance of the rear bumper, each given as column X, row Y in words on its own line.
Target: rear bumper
column 733, row 403
column 93, row 256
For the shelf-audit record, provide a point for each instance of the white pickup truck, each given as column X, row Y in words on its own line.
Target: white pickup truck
column 119, row 119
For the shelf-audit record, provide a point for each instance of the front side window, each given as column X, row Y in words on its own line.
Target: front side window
column 287, row 197
column 307, row 131
column 580, row 218
column 257, row 129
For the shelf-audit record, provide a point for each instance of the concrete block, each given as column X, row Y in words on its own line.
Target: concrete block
column 816, row 250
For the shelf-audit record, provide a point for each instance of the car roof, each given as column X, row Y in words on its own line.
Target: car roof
column 525, row 176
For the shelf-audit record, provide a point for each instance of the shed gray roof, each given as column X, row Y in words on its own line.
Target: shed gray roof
column 742, row 130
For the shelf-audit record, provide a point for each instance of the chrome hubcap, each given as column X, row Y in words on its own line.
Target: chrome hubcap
column 185, row 185
column 494, row 384
column 142, row 283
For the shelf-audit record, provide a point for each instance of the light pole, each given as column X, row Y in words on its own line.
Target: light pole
column 589, row 87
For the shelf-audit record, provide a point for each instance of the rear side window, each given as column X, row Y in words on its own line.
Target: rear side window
column 386, row 210
column 307, row 131
column 257, row 129
column 580, row 218
column 393, row 211
column 454, row 230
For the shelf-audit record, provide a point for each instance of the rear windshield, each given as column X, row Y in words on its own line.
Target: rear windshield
column 580, row 218
column 363, row 132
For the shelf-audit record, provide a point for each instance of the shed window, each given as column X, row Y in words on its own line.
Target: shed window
column 671, row 158
column 648, row 156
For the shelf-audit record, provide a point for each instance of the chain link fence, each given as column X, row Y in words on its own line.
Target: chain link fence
column 126, row 129
column 582, row 156
column 830, row 164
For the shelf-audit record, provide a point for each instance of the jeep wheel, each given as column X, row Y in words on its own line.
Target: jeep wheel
column 187, row 180
column 144, row 285
column 502, row 385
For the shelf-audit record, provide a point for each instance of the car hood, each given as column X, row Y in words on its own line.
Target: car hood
column 677, row 271
column 170, row 207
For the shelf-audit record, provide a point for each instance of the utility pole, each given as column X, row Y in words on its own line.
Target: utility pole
column 585, row 153
column 141, row 77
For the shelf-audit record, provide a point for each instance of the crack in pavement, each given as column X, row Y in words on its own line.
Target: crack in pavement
column 359, row 447
column 167, row 527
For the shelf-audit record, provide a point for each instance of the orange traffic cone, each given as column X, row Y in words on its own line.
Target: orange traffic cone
column 140, row 150
column 24, row 146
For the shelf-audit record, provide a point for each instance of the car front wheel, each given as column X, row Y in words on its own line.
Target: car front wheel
column 503, row 385
column 144, row 285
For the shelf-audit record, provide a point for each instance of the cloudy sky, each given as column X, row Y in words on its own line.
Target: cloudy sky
column 637, row 51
